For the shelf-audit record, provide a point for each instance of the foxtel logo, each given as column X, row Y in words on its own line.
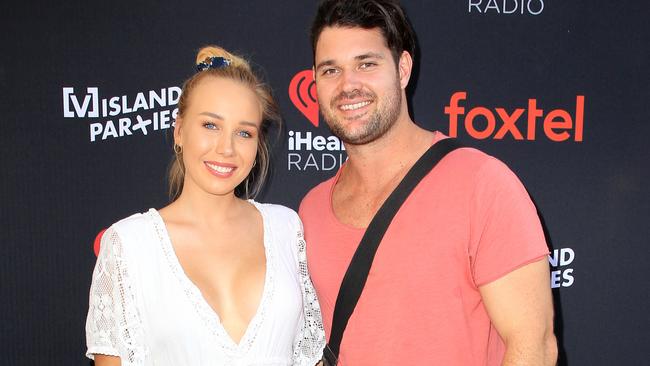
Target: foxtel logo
column 558, row 125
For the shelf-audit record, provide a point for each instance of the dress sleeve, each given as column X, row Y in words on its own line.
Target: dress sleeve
column 113, row 325
column 310, row 340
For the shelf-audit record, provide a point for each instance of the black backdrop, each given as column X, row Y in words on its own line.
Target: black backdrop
column 61, row 186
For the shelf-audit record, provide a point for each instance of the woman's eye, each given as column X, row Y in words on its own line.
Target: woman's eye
column 245, row 134
column 209, row 125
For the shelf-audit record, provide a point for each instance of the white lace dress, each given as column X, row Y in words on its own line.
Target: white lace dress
column 144, row 309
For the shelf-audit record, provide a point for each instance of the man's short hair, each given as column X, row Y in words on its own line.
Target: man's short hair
column 387, row 15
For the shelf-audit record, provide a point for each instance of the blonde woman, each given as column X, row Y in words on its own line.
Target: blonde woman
column 214, row 278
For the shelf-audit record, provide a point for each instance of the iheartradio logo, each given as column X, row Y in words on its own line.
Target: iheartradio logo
column 302, row 92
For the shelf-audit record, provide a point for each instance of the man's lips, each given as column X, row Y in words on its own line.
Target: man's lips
column 354, row 106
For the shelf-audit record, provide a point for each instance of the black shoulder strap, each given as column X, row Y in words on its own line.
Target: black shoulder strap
column 357, row 272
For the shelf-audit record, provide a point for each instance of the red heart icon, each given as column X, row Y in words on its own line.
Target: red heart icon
column 98, row 241
column 302, row 92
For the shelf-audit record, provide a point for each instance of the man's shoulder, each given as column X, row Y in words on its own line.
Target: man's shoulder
column 316, row 197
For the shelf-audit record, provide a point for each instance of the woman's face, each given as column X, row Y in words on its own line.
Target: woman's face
column 219, row 133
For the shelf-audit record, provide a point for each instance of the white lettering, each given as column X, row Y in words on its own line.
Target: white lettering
column 125, row 124
column 125, row 105
column 293, row 159
column 159, row 99
column 474, row 4
column 492, row 4
column 539, row 11
column 173, row 94
column 509, row 11
column 555, row 278
column 568, row 276
column 109, row 130
column 114, row 105
column 80, row 110
column 95, row 130
column 319, row 143
column 140, row 102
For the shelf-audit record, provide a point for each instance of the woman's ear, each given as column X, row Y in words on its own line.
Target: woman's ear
column 178, row 126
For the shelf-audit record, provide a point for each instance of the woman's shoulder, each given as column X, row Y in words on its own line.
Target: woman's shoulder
column 134, row 222
column 277, row 212
column 135, row 231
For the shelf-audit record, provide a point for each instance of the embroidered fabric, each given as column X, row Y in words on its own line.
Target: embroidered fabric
column 113, row 319
column 310, row 341
column 119, row 324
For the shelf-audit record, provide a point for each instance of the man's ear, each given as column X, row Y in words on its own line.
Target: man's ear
column 404, row 67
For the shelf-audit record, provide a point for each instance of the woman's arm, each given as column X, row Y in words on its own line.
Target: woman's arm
column 103, row 360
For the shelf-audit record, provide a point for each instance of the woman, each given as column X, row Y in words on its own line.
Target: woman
column 213, row 278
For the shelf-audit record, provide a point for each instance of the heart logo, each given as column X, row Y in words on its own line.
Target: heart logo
column 302, row 92
column 98, row 241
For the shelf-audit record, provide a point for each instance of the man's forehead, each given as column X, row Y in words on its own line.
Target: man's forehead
column 340, row 43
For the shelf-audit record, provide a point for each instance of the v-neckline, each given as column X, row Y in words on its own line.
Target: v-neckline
column 209, row 316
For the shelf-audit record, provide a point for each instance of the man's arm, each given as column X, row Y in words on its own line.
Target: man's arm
column 520, row 306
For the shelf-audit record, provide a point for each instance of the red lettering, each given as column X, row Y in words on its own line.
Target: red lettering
column 533, row 113
column 509, row 123
column 557, row 119
column 557, row 124
column 453, row 110
column 580, row 115
column 469, row 123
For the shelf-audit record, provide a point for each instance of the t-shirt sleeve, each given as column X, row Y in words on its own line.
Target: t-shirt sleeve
column 506, row 232
column 310, row 338
column 113, row 324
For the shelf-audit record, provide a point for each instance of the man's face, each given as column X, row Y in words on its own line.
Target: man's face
column 358, row 84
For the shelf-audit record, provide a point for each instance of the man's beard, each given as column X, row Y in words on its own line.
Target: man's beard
column 379, row 122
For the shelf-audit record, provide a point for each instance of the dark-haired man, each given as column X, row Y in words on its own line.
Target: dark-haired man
column 461, row 276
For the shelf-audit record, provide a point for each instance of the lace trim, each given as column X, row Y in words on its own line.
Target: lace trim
column 310, row 341
column 203, row 309
column 113, row 325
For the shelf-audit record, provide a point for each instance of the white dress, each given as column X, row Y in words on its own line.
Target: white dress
column 144, row 309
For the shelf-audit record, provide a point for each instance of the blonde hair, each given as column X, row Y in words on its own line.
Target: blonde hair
column 239, row 70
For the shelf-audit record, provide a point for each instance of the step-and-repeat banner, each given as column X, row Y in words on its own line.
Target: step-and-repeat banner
column 558, row 89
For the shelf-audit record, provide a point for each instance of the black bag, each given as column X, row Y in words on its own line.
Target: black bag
column 357, row 272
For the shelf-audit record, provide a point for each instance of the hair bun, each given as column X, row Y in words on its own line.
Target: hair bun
column 216, row 51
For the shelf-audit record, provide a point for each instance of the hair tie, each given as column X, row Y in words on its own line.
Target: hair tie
column 214, row 62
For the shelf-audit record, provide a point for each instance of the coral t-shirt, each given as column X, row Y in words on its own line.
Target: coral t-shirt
column 469, row 222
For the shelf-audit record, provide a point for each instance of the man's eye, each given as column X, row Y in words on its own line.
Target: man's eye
column 329, row 72
column 367, row 65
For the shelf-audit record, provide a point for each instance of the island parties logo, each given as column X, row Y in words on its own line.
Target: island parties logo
column 112, row 117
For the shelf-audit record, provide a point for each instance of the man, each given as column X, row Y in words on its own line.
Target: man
column 461, row 276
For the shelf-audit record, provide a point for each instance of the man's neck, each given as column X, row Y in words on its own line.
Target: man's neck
column 375, row 163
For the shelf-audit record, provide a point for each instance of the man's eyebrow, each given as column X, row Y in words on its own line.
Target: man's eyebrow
column 368, row 55
column 324, row 63
column 361, row 57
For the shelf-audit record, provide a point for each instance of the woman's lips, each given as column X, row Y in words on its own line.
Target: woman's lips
column 223, row 170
